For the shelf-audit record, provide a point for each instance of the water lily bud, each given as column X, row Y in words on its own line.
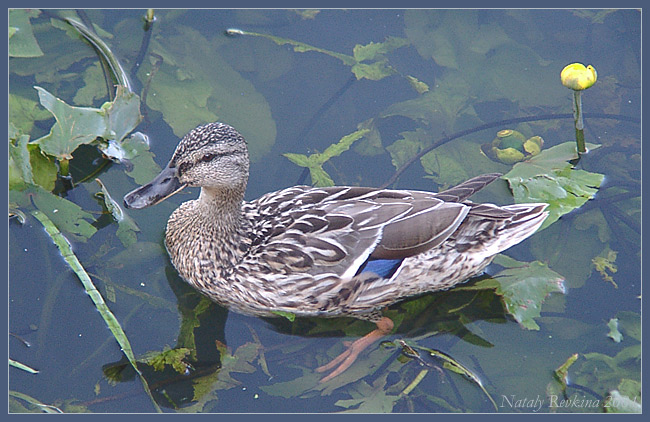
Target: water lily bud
column 578, row 77
column 534, row 145
column 511, row 146
column 509, row 155
column 509, row 138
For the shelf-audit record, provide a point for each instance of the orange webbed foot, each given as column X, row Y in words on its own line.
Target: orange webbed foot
column 347, row 358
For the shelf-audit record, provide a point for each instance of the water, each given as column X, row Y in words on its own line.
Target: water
column 267, row 88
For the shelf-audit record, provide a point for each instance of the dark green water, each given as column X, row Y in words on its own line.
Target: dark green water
column 480, row 67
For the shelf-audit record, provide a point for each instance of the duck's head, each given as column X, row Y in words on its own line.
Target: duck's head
column 213, row 156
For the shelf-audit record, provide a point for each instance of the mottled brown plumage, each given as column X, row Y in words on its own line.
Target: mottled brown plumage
column 307, row 250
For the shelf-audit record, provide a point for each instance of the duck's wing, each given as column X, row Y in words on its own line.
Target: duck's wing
column 337, row 230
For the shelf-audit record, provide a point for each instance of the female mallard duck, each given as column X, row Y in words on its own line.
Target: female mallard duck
column 327, row 252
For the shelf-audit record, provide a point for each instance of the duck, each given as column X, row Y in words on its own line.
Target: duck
column 341, row 251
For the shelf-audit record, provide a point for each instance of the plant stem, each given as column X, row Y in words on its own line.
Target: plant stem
column 577, row 117
column 64, row 167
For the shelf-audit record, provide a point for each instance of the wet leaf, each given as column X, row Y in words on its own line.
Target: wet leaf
column 35, row 405
column 19, row 163
column 66, row 215
column 614, row 334
column 630, row 323
column 22, row 42
column 548, row 177
column 76, row 126
column 417, row 85
column 373, row 71
column 523, row 286
column 172, row 357
column 94, row 85
column 606, row 265
column 448, row 363
column 299, row 47
column 127, row 229
column 288, row 315
column 438, row 108
column 206, row 388
column 22, row 366
column 562, row 372
column 315, row 162
column 28, row 166
column 376, row 51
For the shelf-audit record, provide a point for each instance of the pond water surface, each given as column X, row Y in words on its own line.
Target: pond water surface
column 438, row 72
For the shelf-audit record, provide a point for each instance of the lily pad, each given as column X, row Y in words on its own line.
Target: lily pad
column 523, row 286
column 548, row 177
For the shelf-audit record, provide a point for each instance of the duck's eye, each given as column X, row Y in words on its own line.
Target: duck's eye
column 208, row 157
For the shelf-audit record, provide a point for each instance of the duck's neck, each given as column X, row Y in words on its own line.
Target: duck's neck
column 221, row 209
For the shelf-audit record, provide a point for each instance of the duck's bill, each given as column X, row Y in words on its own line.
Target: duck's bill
column 160, row 188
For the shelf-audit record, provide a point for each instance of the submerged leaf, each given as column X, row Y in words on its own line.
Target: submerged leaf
column 24, row 112
column 603, row 373
column 195, row 85
column 22, row 42
column 448, row 363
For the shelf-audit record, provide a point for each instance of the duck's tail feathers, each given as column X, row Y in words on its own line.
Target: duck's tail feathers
column 468, row 188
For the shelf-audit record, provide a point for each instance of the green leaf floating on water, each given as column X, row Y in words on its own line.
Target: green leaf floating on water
column 315, row 162
column 77, row 126
column 66, row 215
column 195, row 85
column 549, row 177
column 523, row 286
column 614, row 334
column 375, row 68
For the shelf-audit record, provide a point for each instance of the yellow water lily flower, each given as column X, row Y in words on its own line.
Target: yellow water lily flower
column 578, row 77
